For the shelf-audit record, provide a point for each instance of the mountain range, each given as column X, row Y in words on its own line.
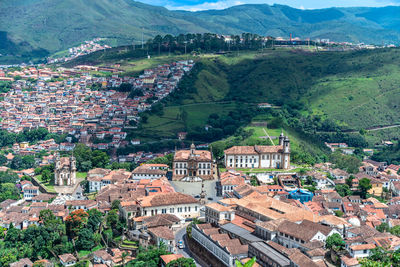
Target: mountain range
column 36, row 28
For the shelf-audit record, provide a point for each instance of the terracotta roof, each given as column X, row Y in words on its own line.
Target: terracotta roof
column 160, row 220
column 199, row 155
column 363, row 246
column 167, row 199
column 349, row 261
column 252, row 150
column 162, row 232
column 146, row 169
column 170, row 257
column 218, row 207
column 301, row 260
column 102, row 253
column 25, row 262
column 67, row 257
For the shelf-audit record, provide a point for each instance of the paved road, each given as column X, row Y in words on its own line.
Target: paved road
column 194, row 189
column 185, row 251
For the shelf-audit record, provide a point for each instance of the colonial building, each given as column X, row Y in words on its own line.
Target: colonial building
column 192, row 165
column 65, row 171
column 276, row 157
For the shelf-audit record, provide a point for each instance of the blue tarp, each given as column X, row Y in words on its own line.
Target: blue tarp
column 301, row 195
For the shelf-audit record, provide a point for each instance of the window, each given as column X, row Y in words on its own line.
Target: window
column 163, row 211
column 195, row 208
column 171, row 210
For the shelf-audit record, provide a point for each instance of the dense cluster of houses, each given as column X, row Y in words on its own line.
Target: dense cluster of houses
column 63, row 102
column 85, row 48
column 266, row 221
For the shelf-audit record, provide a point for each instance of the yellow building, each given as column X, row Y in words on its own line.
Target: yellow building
column 377, row 188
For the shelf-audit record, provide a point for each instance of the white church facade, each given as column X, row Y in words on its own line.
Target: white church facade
column 65, row 171
column 260, row 157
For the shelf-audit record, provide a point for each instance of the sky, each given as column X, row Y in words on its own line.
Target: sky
column 196, row 5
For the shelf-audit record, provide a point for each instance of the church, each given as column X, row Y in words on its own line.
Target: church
column 65, row 171
column 192, row 165
column 257, row 157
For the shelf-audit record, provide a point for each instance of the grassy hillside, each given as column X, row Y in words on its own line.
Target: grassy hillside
column 36, row 28
column 320, row 95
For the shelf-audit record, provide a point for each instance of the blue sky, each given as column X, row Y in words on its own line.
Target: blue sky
column 194, row 5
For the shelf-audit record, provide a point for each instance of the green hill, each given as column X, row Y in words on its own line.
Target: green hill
column 35, row 28
column 328, row 96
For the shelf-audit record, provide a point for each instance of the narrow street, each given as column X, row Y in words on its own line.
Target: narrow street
column 185, row 251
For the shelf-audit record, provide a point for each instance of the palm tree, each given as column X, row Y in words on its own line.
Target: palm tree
column 250, row 263
column 124, row 255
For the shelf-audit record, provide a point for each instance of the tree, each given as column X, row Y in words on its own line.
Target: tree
column 182, row 262
column 13, row 236
column 363, row 186
column 150, row 257
column 3, row 160
column 75, row 221
column 339, row 213
column 395, row 230
column 85, row 239
column 349, row 181
column 49, row 220
column 94, row 220
column 124, row 255
column 115, row 204
column 112, row 219
column 99, row 159
column 343, row 190
column 250, row 263
column 16, row 163
column 302, row 171
column 383, row 227
column 46, row 175
column 335, row 242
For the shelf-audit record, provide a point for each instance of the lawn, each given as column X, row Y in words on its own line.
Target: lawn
column 167, row 125
column 81, row 175
column 261, row 170
column 84, row 253
column 129, row 244
column 48, row 185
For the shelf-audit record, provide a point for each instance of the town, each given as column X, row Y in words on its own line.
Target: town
column 84, row 49
column 78, row 189
column 191, row 210
column 65, row 101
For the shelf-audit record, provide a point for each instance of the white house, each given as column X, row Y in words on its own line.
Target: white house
column 30, row 192
column 149, row 171
column 361, row 251
column 276, row 157
column 216, row 212
column 181, row 205
column 67, row 260
column 293, row 235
